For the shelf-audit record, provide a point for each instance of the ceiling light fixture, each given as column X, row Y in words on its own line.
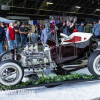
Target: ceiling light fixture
column 92, row 1
column 77, row 7
column 49, row 3
column 97, row 9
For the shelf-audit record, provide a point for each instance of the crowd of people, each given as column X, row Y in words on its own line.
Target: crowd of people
column 68, row 26
column 88, row 29
column 52, row 28
column 10, row 36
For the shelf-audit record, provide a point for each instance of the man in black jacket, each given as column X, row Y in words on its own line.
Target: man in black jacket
column 2, row 38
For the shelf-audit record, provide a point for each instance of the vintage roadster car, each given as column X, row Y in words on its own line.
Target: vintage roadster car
column 54, row 58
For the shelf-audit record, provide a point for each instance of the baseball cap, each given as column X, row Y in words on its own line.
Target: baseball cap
column 82, row 22
column 23, row 23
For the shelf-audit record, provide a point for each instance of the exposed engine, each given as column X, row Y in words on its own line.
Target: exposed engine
column 31, row 56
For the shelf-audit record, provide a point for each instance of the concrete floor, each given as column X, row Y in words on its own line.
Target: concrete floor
column 73, row 91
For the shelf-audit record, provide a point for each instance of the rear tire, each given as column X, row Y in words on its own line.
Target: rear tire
column 5, row 55
column 94, row 63
column 11, row 72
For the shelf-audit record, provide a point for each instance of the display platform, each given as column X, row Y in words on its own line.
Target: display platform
column 49, row 81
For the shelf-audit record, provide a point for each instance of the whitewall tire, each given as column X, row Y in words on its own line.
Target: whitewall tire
column 94, row 63
column 5, row 55
column 11, row 72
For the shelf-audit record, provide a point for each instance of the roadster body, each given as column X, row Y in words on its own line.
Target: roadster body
column 72, row 48
column 55, row 57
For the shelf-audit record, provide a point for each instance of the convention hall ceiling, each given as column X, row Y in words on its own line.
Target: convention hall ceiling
column 79, row 8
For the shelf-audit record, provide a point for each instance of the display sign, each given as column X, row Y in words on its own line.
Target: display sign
column 5, row 7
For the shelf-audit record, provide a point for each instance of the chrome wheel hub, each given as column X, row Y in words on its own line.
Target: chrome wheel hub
column 98, row 64
column 10, row 74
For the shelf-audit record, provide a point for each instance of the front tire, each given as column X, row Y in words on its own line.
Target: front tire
column 11, row 72
column 94, row 63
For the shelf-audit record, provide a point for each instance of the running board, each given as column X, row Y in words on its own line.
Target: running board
column 73, row 67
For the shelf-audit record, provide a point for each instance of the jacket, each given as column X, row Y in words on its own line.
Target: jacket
column 81, row 28
column 88, row 29
column 2, row 34
column 97, row 29
column 10, row 34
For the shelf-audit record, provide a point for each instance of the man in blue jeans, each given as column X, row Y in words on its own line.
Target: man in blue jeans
column 24, row 31
column 17, row 35
column 10, row 36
